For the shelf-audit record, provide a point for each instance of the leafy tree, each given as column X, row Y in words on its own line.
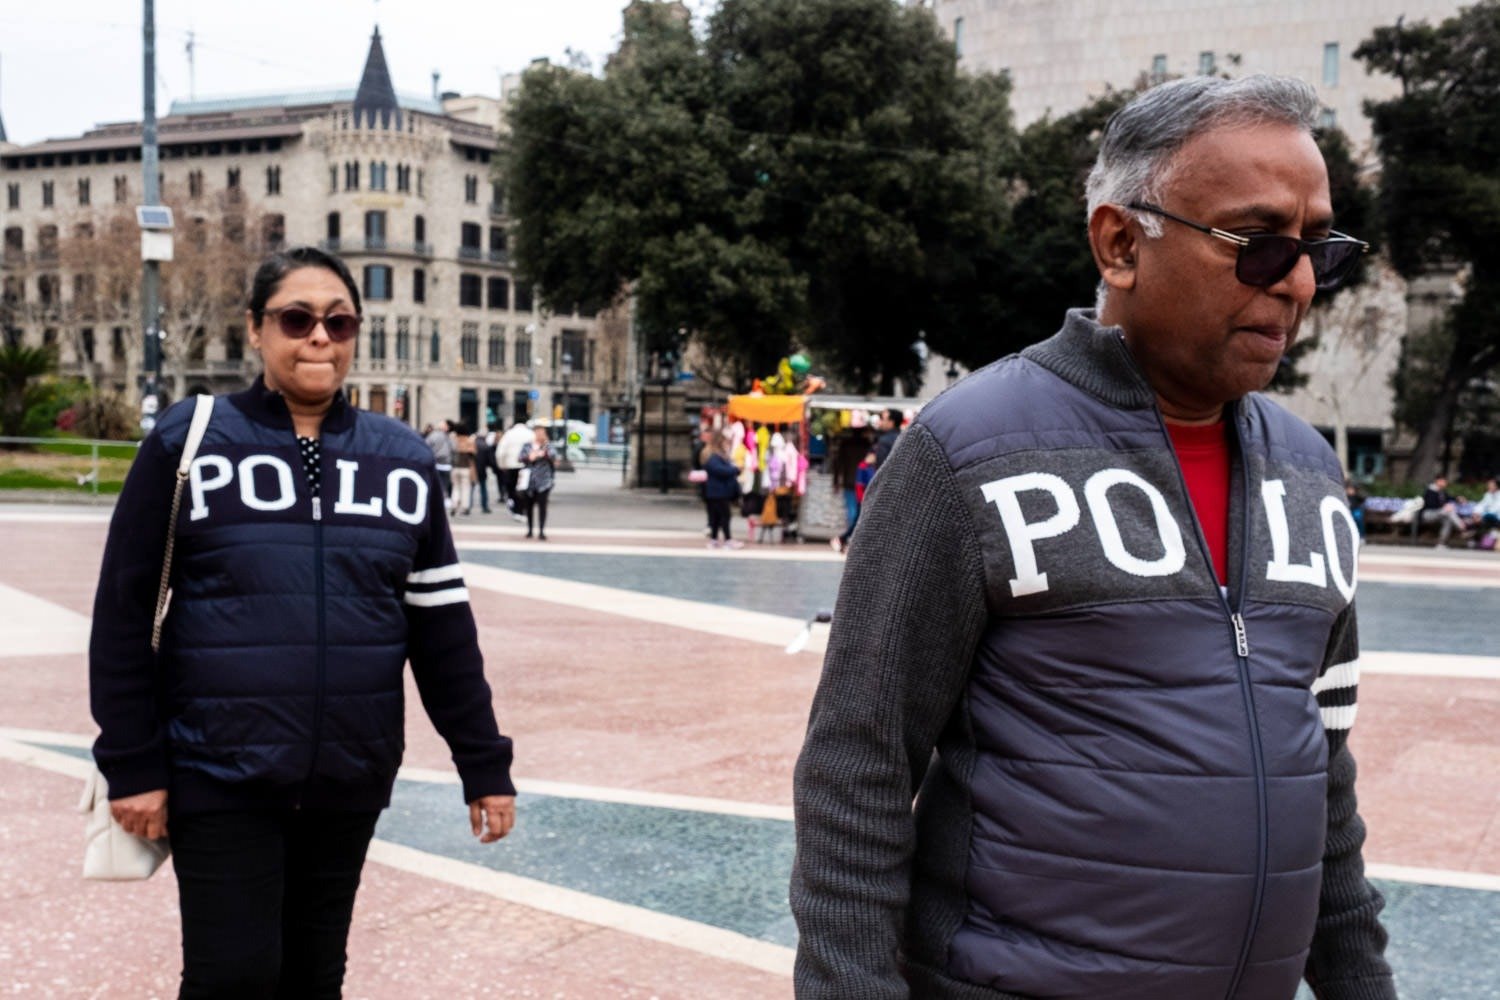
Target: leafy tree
column 811, row 173
column 23, row 386
column 1439, row 199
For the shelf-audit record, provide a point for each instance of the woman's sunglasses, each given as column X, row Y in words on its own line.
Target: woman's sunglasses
column 1266, row 258
column 296, row 322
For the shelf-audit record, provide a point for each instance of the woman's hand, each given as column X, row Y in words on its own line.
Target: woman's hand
column 144, row 815
column 492, row 817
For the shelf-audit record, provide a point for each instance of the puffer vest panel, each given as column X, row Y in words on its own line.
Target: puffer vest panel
column 1117, row 749
column 285, row 644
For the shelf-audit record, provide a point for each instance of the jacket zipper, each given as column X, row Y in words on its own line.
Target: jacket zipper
column 1247, row 693
column 322, row 654
column 1241, row 638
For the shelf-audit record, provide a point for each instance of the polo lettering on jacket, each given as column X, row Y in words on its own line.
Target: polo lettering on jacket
column 229, row 487
column 1034, row 507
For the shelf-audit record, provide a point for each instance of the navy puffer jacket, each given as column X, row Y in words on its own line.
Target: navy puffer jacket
column 280, row 676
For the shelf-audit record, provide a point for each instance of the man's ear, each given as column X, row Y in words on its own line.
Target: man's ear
column 1113, row 240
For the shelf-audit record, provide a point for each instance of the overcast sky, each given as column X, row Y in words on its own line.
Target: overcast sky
column 67, row 65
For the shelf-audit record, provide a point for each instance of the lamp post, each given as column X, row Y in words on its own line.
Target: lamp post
column 665, row 374
column 567, row 365
column 567, row 360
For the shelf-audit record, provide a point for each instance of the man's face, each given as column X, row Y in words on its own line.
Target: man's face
column 1202, row 337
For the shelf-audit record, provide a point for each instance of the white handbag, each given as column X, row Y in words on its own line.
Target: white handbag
column 110, row 853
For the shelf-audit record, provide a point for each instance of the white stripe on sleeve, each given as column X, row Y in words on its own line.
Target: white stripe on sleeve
column 450, row 572
column 1339, row 716
column 437, row 598
column 1341, row 675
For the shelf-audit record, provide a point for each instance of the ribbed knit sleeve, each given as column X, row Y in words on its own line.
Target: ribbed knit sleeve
column 443, row 645
column 910, row 612
column 1347, row 958
column 131, row 748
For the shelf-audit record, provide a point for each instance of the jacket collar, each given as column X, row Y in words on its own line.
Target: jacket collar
column 266, row 406
column 1095, row 359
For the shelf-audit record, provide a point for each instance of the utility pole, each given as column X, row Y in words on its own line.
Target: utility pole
column 151, row 184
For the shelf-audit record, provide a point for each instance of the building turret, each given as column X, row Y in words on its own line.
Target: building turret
column 375, row 104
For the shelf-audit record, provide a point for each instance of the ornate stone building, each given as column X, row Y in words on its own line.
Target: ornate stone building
column 399, row 186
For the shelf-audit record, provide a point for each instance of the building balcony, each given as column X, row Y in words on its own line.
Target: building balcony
column 470, row 253
column 499, row 257
column 497, row 209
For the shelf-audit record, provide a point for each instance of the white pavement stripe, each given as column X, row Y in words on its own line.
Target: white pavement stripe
column 1456, row 582
column 1435, row 876
column 714, row 942
column 47, row 736
column 533, row 786
column 751, row 626
column 46, row 760
column 55, row 517
column 678, row 932
column 468, row 528
column 1482, row 668
column 621, row 796
column 30, row 626
column 768, row 553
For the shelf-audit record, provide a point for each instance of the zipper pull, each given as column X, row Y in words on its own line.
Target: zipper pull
column 317, row 508
column 1241, row 640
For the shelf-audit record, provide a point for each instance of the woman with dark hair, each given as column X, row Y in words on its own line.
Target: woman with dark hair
column 312, row 559
column 539, row 461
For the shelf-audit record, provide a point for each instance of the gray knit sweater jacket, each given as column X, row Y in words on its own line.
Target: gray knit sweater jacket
column 1049, row 755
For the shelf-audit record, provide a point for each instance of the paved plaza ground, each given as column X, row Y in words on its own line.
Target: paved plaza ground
column 657, row 716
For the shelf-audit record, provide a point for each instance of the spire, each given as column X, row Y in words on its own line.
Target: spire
column 376, row 98
column 2, row 129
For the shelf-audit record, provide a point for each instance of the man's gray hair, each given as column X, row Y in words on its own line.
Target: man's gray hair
column 1135, row 155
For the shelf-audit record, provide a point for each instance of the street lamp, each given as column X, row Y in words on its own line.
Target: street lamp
column 667, row 376
column 567, row 362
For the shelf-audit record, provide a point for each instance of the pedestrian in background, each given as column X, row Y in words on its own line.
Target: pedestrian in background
column 849, row 452
column 1439, row 507
column 508, row 457
column 465, row 453
column 440, row 440
column 539, row 460
column 890, row 429
column 720, row 490
column 264, row 737
column 485, row 445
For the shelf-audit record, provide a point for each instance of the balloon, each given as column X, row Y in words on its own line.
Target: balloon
column 799, row 363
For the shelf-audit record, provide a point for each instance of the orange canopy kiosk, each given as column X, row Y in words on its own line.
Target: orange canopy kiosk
column 821, row 512
column 768, row 409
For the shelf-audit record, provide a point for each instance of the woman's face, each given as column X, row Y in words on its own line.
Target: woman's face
column 310, row 369
column 539, row 435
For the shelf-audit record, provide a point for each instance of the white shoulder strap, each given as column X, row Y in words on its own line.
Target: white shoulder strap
column 201, row 413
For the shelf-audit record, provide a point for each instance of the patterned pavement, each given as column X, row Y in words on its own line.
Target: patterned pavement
column 657, row 717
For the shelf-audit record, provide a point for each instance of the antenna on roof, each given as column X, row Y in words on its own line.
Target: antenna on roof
column 435, row 91
column 192, row 73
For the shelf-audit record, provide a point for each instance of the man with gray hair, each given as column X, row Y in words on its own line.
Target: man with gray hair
column 1105, row 639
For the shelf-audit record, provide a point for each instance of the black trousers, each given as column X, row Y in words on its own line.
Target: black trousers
column 718, row 517
column 536, row 504
column 266, row 899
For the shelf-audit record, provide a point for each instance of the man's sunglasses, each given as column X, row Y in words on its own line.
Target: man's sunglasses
column 1266, row 258
column 296, row 322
